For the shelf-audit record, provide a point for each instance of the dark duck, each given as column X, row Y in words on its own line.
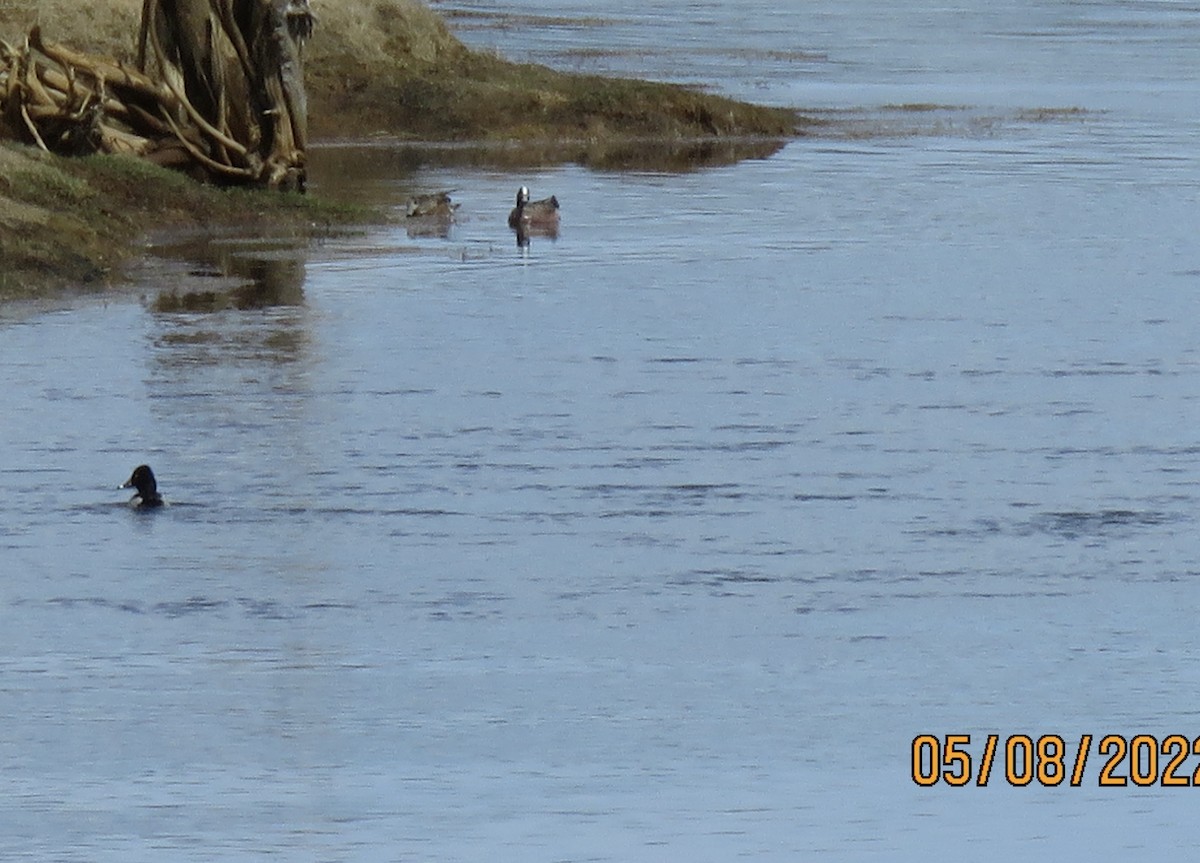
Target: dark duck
column 143, row 480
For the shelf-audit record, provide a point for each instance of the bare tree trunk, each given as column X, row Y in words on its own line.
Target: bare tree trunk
column 219, row 88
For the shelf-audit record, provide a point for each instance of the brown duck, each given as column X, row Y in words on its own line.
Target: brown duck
column 436, row 204
column 534, row 215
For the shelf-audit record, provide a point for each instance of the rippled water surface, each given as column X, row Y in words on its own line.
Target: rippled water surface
column 662, row 540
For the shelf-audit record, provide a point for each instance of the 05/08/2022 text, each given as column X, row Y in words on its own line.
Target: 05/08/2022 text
column 1025, row 759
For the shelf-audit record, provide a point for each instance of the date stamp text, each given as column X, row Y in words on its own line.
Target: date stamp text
column 1021, row 759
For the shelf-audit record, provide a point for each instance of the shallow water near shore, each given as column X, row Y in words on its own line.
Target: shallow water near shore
column 661, row 540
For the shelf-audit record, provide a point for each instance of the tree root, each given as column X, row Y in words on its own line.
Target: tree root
column 219, row 92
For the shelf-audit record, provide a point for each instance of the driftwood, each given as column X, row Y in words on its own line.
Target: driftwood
column 218, row 90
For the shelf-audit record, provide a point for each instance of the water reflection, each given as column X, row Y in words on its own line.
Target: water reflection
column 677, row 156
column 206, row 279
column 342, row 168
column 234, row 274
column 525, row 234
column 352, row 171
column 428, row 227
column 187, row 342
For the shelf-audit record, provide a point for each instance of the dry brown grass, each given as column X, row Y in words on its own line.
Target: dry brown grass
column 378, row 32
column 392, row 67
column 107, row 27
column 381, row 34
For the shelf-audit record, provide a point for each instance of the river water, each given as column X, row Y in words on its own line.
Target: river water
column 662, row 540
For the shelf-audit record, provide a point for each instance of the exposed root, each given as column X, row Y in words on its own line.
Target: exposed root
column 218, row 92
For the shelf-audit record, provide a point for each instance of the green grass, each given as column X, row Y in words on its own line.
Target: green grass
column 77, row 221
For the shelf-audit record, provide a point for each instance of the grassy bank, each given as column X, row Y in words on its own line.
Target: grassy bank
column 78, row 221
column 393, row 67
column 374, row 67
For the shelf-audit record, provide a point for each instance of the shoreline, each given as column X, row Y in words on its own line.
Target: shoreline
column 382, row 73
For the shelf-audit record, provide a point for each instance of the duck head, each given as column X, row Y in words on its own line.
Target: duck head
column 143, row 480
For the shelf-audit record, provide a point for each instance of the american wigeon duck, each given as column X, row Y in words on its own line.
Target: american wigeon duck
column 147, row 487
column 433, row 204
column 536, row 215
